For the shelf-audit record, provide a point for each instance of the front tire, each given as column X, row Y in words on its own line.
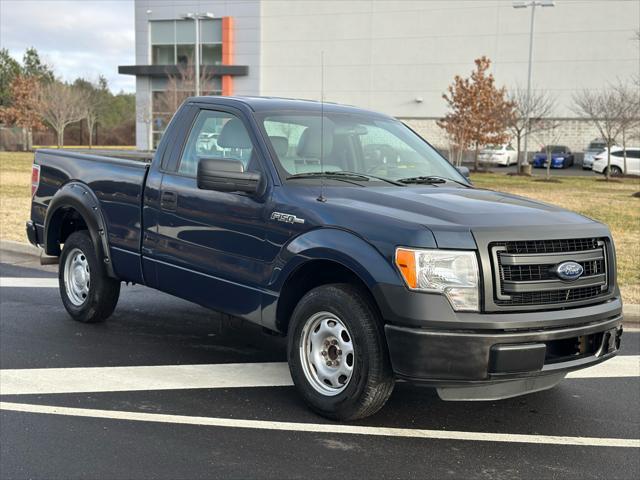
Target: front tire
column 88, row 294
column 337, row 353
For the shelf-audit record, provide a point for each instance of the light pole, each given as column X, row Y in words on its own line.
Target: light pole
column 196, row 17
column 533, row 4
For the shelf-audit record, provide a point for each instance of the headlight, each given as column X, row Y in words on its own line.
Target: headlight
column 558, row 159
column 449, row 272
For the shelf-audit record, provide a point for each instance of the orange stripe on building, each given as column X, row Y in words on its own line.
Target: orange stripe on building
column 227, row 53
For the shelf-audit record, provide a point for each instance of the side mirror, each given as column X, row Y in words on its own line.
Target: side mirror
column 226, row 175
column 464, row 171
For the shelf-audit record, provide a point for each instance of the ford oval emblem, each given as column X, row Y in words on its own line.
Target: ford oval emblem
column 569, row 271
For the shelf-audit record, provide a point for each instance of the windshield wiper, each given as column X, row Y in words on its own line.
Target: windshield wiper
column 328, row 174
column 430, row 180
column 344, row 175
column 367, row 176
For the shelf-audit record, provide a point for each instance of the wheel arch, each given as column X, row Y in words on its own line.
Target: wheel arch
column 327, row 256
column 75, row 207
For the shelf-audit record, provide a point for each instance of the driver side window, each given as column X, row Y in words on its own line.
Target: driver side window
column 217, row 135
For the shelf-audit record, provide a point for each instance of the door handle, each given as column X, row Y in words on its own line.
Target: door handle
column 169, row 200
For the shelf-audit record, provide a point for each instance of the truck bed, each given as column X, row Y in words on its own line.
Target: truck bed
column 117, row 182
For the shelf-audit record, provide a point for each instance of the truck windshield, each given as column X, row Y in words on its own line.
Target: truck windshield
column 359, row 144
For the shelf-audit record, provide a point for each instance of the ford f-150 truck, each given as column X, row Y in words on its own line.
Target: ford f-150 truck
column 345, row 231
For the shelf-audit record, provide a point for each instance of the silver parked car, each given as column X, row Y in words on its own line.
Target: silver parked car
column 595, row 147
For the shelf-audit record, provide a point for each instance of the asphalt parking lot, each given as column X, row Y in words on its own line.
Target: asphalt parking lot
column 166, row 389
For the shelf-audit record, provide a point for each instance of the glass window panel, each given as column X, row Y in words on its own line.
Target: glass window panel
column 160, row 121
column 213, row 83
column 158, row 84
column 160, row 102
column 156, row 139
column 211, row 31
column 203, row 141
column 389, row 149
column 163, row 55
column 211, row 55
column 186, row 54
column 185, row 31
column 162, row 32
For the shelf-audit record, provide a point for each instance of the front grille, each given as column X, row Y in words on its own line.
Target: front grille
column 552, row 296
column 525, row 271
column 532, row 273
column 549, row 246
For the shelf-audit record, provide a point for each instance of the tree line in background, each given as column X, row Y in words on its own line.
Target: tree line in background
column 34, row 100
column 481, row 114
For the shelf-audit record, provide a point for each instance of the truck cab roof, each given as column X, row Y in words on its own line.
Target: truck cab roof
column 259, row 104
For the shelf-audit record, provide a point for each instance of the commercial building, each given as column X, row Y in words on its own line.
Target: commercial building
column 393, row 56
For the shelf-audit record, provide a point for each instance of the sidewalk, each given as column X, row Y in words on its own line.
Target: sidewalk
column 7, row 247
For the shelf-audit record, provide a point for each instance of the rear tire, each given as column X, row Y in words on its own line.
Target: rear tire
column 615, row 171
column 337, row 353
column 88, row 294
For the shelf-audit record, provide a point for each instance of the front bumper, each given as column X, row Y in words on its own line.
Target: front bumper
column 493, row 160
column 486, row 356
column 450, row 358
column 554, row 164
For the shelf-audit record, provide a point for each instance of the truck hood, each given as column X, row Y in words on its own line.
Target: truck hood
column 452, row 215
column 433, row 206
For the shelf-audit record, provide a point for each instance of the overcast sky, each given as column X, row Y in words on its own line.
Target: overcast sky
column 79, row 38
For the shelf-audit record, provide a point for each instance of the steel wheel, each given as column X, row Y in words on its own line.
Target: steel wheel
column 77, row 277
column 326, row 353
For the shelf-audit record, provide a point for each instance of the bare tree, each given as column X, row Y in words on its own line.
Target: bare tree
column 61, row 106
column 535, row 107
column 605, row 110
column 94, row 103
column 95, row 98
column 547, row 132
column 181, row 86
column 629, row 98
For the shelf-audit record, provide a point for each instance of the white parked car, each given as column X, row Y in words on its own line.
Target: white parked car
column 617, row 161
column 503, row 155
column 595, row 148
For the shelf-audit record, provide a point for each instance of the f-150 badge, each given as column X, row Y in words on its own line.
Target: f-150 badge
column 286, row 218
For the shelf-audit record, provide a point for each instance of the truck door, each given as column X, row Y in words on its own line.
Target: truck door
column 211, row 244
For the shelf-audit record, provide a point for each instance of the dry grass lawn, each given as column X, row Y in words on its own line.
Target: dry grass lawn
column 608, row 202
column 15, row 194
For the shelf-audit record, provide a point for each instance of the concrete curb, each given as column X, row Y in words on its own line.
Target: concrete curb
column 19, row 247
column 631, row 311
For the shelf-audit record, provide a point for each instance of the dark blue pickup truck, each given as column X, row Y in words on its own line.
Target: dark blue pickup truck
column 348, row 233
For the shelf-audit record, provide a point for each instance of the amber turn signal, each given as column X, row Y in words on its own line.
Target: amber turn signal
column 406, row 263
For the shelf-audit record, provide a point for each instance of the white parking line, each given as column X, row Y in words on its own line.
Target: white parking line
column 322, row 428
column 20, row 282
column 161, row 377
column 620, row 366
column 179, row 377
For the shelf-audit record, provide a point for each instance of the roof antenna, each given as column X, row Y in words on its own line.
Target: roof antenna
column 322, row 198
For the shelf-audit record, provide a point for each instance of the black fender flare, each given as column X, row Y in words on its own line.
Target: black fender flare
column 336, row 245
column 79, row 197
